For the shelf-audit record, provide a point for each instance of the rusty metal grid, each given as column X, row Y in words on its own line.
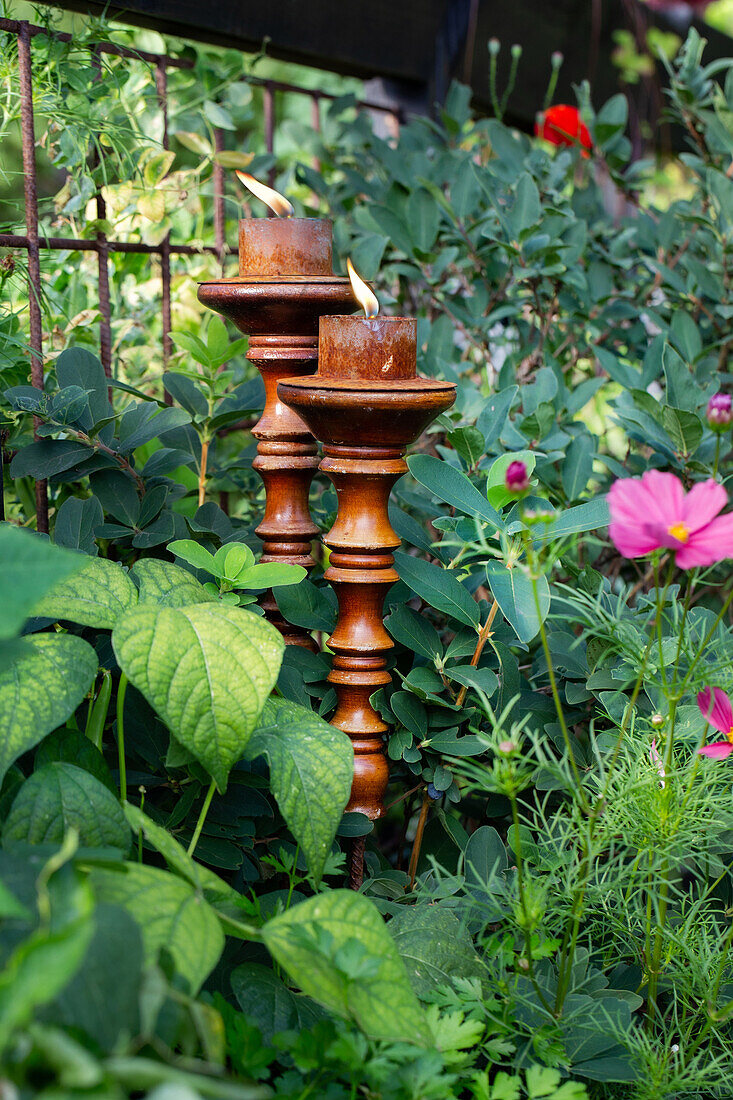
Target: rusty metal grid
column 32, row 242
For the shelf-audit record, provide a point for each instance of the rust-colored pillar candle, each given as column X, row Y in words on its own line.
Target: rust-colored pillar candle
column 366, row 405
column 270, row 247
column 285, row 283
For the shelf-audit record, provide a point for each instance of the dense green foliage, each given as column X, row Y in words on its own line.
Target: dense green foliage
column 545, row 914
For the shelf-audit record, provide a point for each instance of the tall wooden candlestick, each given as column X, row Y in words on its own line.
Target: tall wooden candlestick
column 366, row 405
column 285, row 284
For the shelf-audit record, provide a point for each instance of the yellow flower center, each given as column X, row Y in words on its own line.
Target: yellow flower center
column 679, row 531
column 729, row 735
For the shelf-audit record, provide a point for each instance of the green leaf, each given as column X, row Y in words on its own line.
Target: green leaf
column 100, row 982
column 42, row 964
column 166, row 584
column 338, row 950
column 454, row 487
column 512, row 590
column 438, row 587
column 79, row 367
column 270, row 575
column 469, row 443
column 589, row 516
column 306, row 605
column 423, row 219
column 42, row 687
column 195, row 554
column 264, row 999
column 94, row 596
column 29, row 566
column 577, row 468
column 213, row 888
column 527, row 210
column 206, row 669
column 142, row 423
column 311, row 769
column 414, row 631
column 76, row 521
column 48, row 457
column 170, row 915
column 59, row 797
column 434, row 946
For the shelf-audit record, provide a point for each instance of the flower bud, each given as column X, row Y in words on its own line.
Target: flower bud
column 516, row 479
column 720, row 412
column 516, row 51
column 507, row 747
column 557, row 59
column 657, row 719
column 7, row 264
column 494, row 46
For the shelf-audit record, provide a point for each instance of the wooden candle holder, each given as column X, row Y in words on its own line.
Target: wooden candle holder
column 280, row 313
column 366, row 405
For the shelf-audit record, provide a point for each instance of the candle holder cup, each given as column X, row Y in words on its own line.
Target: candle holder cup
column 285, row 285
column 366, row 405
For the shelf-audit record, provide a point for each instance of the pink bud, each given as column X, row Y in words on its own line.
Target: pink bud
column 720, row 412
column 516, row 479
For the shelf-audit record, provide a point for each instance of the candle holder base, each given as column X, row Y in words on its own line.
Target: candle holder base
column 365, row 427
column 281, row 317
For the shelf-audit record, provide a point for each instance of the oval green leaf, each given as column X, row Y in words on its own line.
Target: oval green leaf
column 166, row 584
column 512, row 590
column 438, row 587
column 59, row 797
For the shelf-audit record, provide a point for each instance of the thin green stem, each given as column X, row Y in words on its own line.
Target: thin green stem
column 523, row 903
column 202, row 817
column 717, row 455
column 121, row 690
column 555, row 692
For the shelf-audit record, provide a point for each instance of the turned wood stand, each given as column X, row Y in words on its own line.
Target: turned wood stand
column 366, row 405
column 280, row 314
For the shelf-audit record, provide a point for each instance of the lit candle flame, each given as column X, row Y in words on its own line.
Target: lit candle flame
column 272, row 198
column 365, row 296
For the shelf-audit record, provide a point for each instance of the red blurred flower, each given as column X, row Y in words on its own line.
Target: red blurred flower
column 562, row 125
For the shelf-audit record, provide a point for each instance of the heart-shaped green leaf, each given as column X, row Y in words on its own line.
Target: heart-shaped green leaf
column 311, row 769
column 170, row 914
column 61, row 796
column 206, row 669
column 42, row 685
column 337, row 948
column 95, row 596
column 435, row 947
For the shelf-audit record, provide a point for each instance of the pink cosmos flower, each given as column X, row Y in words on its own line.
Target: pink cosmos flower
column 654, row 512
column 717, row 710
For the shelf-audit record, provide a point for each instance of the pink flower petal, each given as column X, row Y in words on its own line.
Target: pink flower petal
column 665, row 497
column 719, row 750
column 702, row 504
column 717, row 709
column 709, row 545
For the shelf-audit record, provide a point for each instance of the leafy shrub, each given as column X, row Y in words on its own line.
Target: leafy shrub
column 555, row 865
